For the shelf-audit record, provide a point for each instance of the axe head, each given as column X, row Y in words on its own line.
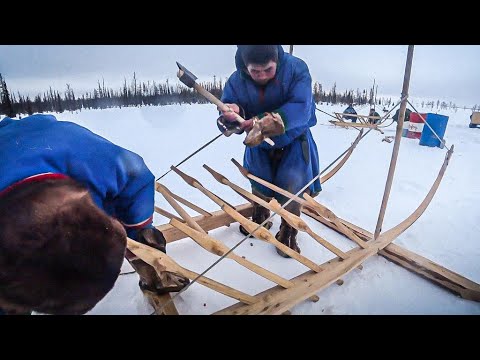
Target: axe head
column 186, row 76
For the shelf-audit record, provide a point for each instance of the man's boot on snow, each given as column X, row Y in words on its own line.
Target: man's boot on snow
column 287, row 236
column 259, row 215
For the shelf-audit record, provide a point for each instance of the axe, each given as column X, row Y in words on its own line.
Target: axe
column 188, row 79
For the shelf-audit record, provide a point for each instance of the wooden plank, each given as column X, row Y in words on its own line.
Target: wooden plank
column 349, row 124
column 420, row 265
column 218, row 248
column 157, row 301
column 361, row 233
column 162, row 262
column 340, row 115
column 218, row 219
column 413, row 262
column 306, row 285
column 167, row 214
column 185, row 216
column 189, row 204
column 396, row 145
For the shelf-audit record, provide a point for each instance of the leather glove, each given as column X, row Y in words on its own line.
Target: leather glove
column 269, row 125
column 227, row 122
column 228, row 128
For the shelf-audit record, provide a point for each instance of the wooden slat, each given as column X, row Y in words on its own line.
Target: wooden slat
column 313, row 214
column 162, row 262
column 218, row 248
column 301, row 225
column 218, row 219
column 329, row 215
column 185, row 216
column 340, row 115
column 158, row 301
column 293, row 220
column 190, row 205
column 448, row 279
column 264, row 235
column 359, row 125
column 167, row 214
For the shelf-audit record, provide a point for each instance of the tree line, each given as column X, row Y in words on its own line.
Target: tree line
column 138, row 93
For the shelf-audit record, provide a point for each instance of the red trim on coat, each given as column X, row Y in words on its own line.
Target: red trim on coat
column 138, row 225
column 31, row 179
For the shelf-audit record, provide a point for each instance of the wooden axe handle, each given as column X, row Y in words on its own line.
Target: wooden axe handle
column 224, row 107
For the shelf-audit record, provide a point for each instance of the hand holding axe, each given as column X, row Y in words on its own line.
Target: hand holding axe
column 188, row 79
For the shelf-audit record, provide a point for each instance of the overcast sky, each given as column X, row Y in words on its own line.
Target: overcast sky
column 445, row 72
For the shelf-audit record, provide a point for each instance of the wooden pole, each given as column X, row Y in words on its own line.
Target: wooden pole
column 291, row 49
column 396, row 146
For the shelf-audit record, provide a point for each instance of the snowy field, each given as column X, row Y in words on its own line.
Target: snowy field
column 447, row 233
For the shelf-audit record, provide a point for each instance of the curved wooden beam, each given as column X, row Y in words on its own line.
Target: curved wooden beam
column 405, row 224
column 342, row 162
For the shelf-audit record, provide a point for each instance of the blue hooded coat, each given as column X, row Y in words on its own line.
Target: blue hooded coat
column 119, row 181
column 289, row 93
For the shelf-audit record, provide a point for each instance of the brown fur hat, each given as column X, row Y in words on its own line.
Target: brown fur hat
column 59, row 252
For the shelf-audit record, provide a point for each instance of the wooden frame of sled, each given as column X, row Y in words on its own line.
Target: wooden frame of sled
column 361, row 125
column 364, row 119
column 216, row 220
column 289, row 292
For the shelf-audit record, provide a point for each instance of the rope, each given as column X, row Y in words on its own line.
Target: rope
column 188, row 157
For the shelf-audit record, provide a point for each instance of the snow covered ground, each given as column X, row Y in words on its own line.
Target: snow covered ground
column 447, row 233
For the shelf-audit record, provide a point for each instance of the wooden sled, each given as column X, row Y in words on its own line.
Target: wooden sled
column 289, row 292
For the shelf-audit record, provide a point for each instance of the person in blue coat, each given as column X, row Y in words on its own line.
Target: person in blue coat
column 350, row 110
column 68, row 199
column 268, row 88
